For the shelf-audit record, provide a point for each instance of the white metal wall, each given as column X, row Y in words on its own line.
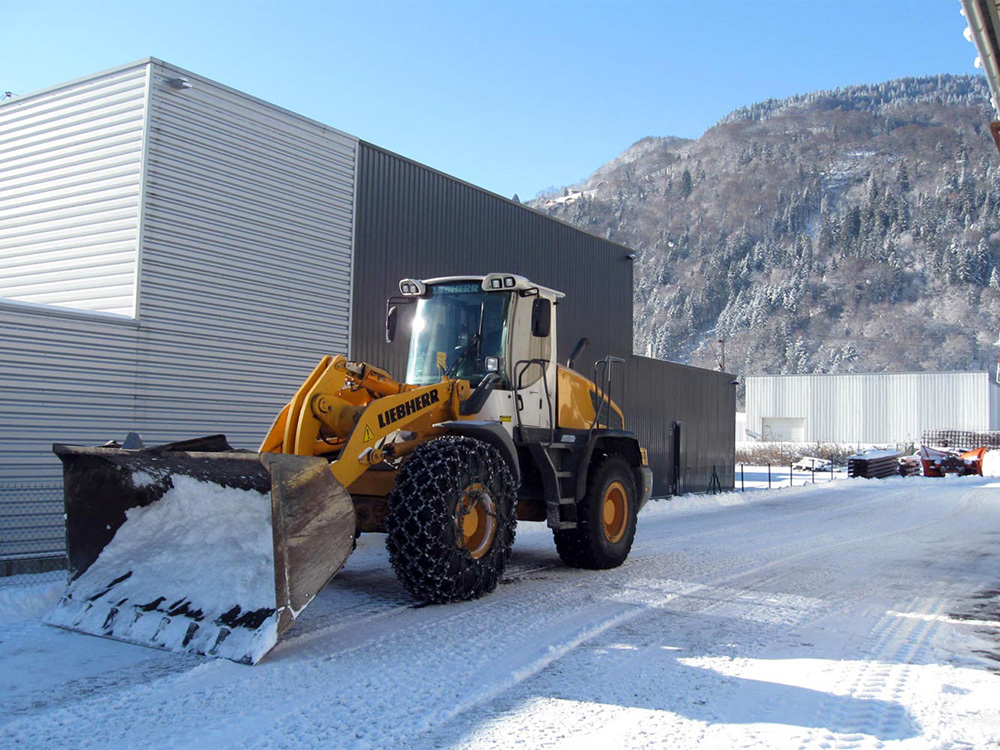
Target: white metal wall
column 871, row 407
column 70, row 171
column 242, row 224
column 246, row 259
column 69, row 199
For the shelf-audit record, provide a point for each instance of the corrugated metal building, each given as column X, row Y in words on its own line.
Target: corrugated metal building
column 156, row 249
column 175, row 256
column 870, row 407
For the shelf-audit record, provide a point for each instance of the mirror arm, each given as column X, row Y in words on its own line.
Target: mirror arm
column 475, row 403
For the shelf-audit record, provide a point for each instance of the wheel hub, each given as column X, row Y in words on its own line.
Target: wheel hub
column 475, row 517
column 614, row 512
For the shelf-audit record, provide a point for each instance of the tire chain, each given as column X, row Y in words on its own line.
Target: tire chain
column 425, row 548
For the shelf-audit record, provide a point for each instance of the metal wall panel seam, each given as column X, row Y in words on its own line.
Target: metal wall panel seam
column 107, row 181
column 53, row 227
column 143, row 187
column 85, row 83
column 33, row 147
column 235, row 244
column 351, row 261
column 205, row 129
column 147, row 112
column 302, row 120
column 226, row 217
column 108, row 162
column 214, row 236
column 71, row 216
column 64, row 202
column 186, row 174
column 27, row 111
column 322, row 179
column 112, row 147
column 242, row 126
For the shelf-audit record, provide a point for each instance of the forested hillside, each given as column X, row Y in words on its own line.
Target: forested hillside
column 847, row 230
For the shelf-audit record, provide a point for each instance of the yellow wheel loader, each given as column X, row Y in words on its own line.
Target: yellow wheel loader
column 196, row 547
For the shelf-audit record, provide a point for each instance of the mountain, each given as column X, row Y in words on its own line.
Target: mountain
column 848, row 230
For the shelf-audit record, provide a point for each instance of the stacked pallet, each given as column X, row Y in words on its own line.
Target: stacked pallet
column 873, row 464
column 910, row 466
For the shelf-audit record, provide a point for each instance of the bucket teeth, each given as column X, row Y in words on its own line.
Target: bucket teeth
column 192, row 629
column 219, row 640
column 109, row 621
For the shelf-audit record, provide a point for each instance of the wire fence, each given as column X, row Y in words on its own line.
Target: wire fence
column 32, row 533
column 767, row 476
column 963, row 440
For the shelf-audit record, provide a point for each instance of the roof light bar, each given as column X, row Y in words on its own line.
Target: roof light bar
column 412, row 288
column 505, row 282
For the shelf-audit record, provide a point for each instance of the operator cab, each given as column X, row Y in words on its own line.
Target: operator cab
column 469, row 327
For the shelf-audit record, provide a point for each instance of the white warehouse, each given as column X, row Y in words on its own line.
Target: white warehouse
column 869, row 407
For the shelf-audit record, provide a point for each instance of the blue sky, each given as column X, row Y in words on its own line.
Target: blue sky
column 513, row 96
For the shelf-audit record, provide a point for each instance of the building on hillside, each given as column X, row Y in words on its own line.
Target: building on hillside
column 870, row 408
column 176, row 256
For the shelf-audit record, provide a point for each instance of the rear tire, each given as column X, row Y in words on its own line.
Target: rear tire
column 605, row 517
column 451, row 520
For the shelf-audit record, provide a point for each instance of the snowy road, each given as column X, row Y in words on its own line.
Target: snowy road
column 856, row 614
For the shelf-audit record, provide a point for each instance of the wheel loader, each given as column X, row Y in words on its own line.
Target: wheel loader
column 197, row 547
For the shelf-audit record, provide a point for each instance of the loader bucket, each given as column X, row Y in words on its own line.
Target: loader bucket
column 212, row 552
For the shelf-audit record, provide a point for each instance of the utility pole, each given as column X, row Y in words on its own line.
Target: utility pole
column 722, row 358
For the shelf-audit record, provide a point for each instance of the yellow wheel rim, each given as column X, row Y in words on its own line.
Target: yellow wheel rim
column 476, row 519
column 614, row 512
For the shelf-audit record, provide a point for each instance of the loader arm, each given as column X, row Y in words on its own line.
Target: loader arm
column 348, row 410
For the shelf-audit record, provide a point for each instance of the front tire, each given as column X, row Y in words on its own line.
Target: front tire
column 605, row 517
column 451, row 520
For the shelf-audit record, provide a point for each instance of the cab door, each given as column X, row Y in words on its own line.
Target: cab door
column 532, row 365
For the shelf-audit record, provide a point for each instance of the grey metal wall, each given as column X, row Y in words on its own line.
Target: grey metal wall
column 415, row 222
column 704, row 401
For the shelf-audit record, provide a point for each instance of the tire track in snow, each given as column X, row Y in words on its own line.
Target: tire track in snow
column 434, row 680
column 874, row 707
column 401, row 672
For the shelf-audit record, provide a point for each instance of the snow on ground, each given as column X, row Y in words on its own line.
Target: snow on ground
column 855, row 613
column 28, row 601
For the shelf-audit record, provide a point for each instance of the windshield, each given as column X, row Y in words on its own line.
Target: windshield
column 454, row 331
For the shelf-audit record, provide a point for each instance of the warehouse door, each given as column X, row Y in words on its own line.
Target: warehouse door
column 784, row 429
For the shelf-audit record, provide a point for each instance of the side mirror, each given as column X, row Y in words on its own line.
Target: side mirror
column 390, row 324
column 541, row 317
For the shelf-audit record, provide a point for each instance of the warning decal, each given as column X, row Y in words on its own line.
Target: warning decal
column 369, row 435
